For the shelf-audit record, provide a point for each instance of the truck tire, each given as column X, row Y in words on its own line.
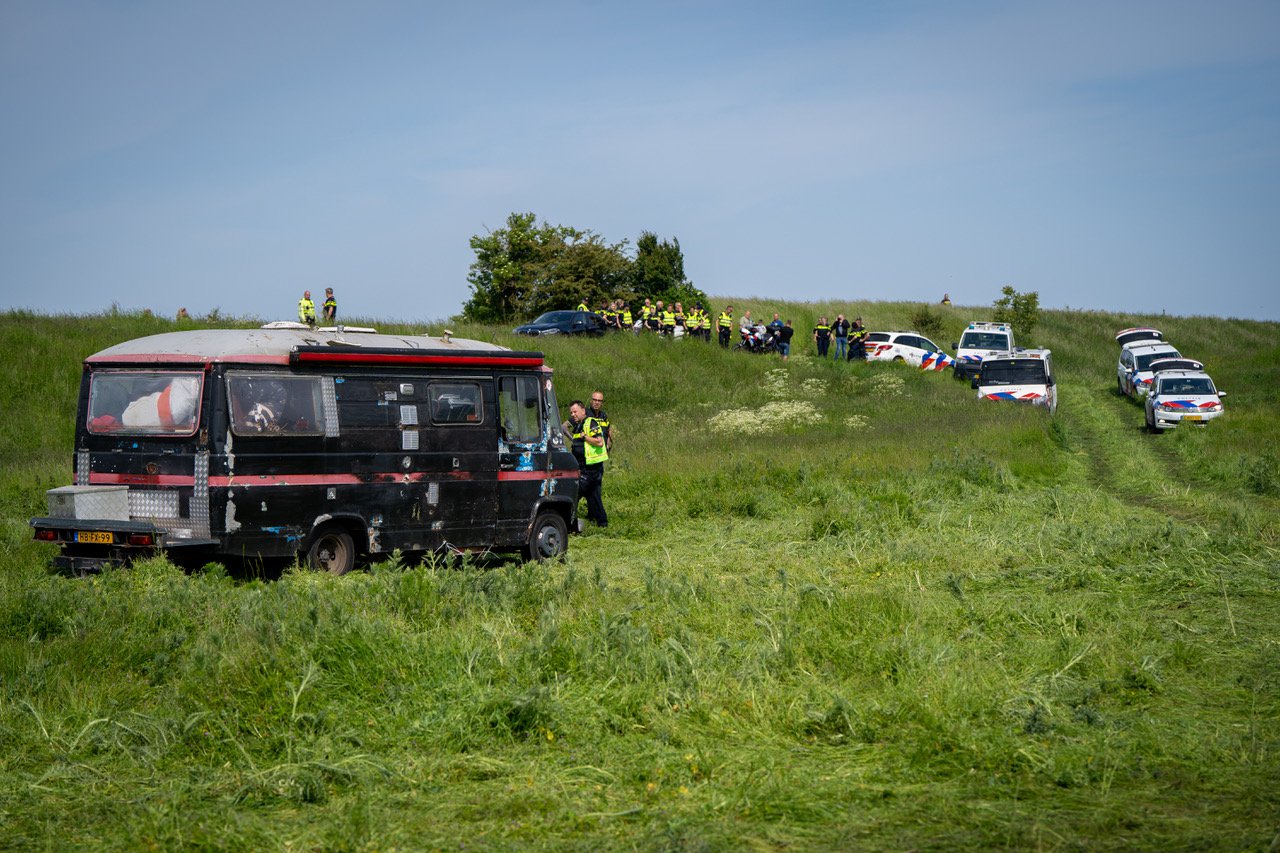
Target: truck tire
column 548, row 539
column 332, row 551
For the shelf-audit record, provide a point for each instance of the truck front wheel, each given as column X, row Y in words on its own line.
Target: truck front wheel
column 332, row 551
column 548, row 539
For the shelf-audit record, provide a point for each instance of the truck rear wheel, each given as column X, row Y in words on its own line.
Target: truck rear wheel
column 548, row 539
column 332, row 551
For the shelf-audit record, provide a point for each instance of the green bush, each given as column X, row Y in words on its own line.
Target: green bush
column 1022, row 310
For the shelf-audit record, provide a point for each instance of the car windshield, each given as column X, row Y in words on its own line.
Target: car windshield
column 1017, row 371
column 1186, row 385
column 557, row 317
column 984, row 340
column 1143, row 360
column 145, row 402
column 878, row 336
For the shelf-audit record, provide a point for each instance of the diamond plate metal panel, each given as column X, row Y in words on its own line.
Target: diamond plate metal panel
column 200, row 496
column 330, row 396
column 82, row 467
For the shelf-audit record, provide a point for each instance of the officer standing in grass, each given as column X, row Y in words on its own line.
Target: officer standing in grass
column 597, row 411
column 858, row 340
column 725, row 325
column 330, row 306
column 822, row 336
column 588, row 446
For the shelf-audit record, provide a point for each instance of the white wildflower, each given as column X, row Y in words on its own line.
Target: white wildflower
column 887, row 385
column 813, row 387
column 771, row 417
column 855, row 421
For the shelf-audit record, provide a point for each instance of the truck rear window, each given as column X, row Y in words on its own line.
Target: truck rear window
column 1013, row 372
column 264, row 404
column 144, row 402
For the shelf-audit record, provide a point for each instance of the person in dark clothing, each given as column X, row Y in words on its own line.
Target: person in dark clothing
column 588, row 445
column 857, row 340
column 822, row 336
column 840, row 331
column 330, row 306
column 784, row 340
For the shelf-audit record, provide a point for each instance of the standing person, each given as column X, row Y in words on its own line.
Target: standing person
column 646, row 312
column 775, row 324
column 840, row 331
column 624, row 314
column 330, row 306
column 784, row 340
column 679, row 318
column 597, row 411
column 822, row 336
column 587, row 439
column 668, row 316
column 858, row 340
column 745, row 321
column 725, row 324
column 655, row 319
column 306, row 309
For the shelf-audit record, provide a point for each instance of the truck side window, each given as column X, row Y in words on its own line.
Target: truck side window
column 455, row 403
column 518, row 409
column 265, row 404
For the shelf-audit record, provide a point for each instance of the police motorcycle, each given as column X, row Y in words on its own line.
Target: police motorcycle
column 757, row 339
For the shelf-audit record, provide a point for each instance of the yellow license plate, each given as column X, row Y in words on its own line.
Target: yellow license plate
column 95, row 536
column 1192, row 418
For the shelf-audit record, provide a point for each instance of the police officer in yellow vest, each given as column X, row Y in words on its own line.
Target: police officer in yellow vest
column 626, row 316
column 725, row 322
column 582, row 306
column 588, row 445
column 306, row 309
column 669, row 320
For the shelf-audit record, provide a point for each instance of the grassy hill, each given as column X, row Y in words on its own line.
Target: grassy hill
column 838, row 606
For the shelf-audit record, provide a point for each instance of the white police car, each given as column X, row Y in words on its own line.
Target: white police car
column 981, row 339
column 1025, row 376
column 1181, row 391
column 1133, row 370
column 911, row 347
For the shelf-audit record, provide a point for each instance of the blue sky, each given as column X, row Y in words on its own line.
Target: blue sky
column 1112, row 155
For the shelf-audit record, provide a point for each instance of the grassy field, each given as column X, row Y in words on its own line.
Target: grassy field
column 837, row 607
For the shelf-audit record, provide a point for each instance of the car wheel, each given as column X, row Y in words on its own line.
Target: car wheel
column 332, row 551
column 899, row 358
column 548, row 539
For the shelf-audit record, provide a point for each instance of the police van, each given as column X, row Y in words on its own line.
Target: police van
column 327, row 445
column 981, row 339
column 1022, row 376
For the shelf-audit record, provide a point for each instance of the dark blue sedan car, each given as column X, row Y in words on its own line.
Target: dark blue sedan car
column 564, row 323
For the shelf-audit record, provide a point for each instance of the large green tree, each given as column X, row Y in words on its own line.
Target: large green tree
column 659, row 271
column 527, row 267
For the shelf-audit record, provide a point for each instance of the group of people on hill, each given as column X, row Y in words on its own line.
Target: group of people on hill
column 849, row 336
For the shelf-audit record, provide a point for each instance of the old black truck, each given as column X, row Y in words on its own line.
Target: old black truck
column 326, row 445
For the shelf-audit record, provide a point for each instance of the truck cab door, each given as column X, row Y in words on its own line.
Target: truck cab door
column 524, row 434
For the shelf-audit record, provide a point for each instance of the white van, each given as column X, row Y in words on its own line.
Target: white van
column 982, row 339
column 1025, row 376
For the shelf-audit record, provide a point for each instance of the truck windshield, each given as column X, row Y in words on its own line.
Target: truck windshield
column 144, row 402
column 1018, row 371
column 984, row 340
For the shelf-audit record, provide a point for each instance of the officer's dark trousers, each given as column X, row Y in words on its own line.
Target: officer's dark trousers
column 590, row 482
column 724, row 337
